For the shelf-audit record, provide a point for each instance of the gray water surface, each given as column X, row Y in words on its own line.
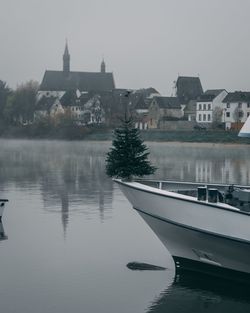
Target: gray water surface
column 71, row 232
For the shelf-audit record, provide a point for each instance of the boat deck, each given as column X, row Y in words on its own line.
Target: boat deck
column 237, row 196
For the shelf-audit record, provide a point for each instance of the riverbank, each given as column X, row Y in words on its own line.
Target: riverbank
column 216, row 137
column 104, row 134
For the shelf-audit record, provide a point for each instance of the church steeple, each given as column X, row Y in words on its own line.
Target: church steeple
column 66, row 59
column 103, row 66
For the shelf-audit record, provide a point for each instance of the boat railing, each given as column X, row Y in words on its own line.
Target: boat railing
column 234, row 195
column 169, row 184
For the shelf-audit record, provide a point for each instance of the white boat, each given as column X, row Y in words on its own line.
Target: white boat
column 205, row 227
column 2, row 204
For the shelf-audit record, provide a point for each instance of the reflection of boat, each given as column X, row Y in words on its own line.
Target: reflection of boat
column 206, row 228
column 192, row 292
column 2, row 204
column 2, row 233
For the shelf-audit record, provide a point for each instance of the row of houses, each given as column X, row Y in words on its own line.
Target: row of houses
column 210, row 109
column 92, row 98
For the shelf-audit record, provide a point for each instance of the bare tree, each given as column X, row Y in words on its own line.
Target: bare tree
column 217, row 116
column 237, row 114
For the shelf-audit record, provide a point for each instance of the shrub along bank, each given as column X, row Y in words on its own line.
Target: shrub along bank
column 70, row 132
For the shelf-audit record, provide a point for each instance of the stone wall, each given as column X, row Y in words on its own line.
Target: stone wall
column 176, row 125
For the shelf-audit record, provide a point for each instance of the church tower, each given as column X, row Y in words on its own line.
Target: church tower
column 66, row 60
column 103, row 67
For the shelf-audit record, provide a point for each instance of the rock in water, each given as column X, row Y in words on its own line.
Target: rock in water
column 137, row 266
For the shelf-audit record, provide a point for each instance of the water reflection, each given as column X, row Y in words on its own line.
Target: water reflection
column 2, row 232
column 71, row 179
column 199, row 293
column 47, row 182
column 69, row 176
column 197, row 162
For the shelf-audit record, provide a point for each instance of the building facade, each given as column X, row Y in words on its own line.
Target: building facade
column 236, row 109
column 209, row 106
column 56, row 83
column 164, row 109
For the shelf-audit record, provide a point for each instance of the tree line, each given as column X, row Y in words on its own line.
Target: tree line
column 19, row 104
column 17, row 109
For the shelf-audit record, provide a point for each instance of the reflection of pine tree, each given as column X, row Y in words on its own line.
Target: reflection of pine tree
column 128, row 155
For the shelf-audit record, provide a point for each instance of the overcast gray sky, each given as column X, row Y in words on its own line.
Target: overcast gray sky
column 144, row 42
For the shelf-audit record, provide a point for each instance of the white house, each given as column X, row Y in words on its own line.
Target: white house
column 236, row 109
column 48, row 106
column 209, row 106
column 93, row 112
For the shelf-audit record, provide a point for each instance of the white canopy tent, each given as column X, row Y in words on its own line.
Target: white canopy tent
column 245, row 130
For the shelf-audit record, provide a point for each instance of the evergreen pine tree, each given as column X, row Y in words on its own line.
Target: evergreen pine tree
column 128, row 155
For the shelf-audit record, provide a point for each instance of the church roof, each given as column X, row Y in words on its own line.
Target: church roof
column 66, row 50
column 84, row 81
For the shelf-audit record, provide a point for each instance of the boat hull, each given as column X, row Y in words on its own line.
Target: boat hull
column 215, row 236
column 190, row 247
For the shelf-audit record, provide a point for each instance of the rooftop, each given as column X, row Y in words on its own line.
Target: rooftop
column 84, row 81
column 237, row 96
column 168, row 102
column 188, row 88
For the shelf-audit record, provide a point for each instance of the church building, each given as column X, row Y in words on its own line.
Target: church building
column 56, row 83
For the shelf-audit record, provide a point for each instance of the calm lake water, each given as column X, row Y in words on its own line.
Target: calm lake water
column 71, row 232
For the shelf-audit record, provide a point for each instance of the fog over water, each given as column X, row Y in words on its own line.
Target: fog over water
column 71, row 232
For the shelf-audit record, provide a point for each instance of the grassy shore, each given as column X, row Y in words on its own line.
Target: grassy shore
column 180, row 136
column 101, row 134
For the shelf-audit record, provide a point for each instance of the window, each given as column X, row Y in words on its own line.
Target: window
column 227, row 114
column 248, row 104
column 204, row 117
column 240, row 105
column 209, row 117
column 248, row 113
column 204, row 106
column 209, row 106
column 199, row 117
column 200, row 108
column 228, row 105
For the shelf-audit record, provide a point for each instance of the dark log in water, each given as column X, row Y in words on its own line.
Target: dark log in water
column 137, row 266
